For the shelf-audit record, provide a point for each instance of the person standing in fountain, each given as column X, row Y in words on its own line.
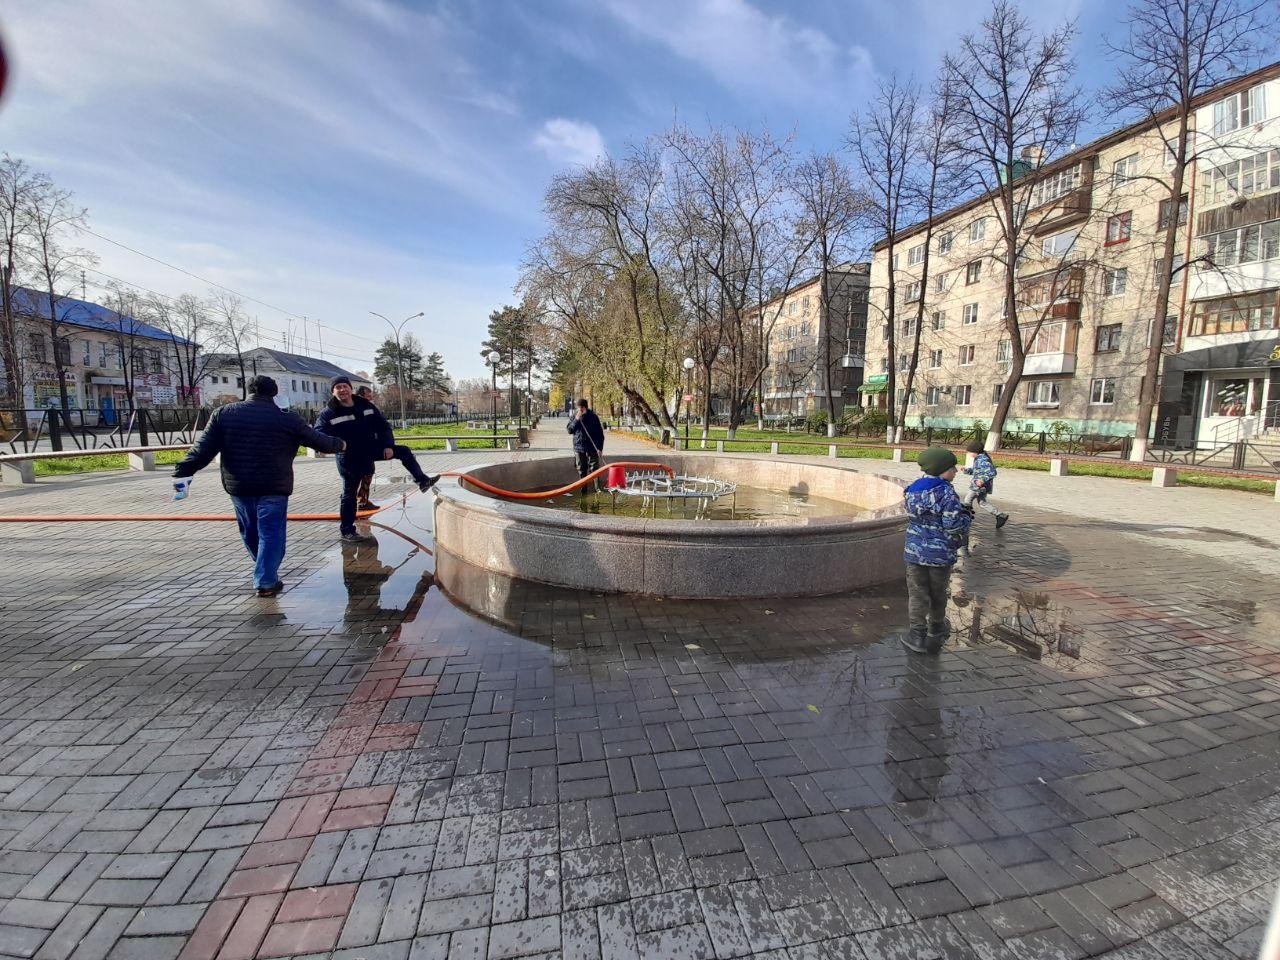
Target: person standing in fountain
column 937, row 526
column 588, row 439
column 369, row 438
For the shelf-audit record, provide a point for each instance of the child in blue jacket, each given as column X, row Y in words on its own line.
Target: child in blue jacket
column 983, row 473
column 937, row 526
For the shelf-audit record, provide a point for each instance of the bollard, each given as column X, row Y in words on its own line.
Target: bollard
column 969, row 459
column 773, row 448
column 142, row 461
column 897, row 455
column 450, row 445
column 1278, row 490
column 1164, row 477
column 1057, row 467
column 719, row 446
column 511, row 443
column 19, row 471
column 833, row 451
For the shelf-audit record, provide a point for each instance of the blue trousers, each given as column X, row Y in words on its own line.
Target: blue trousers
column 262, row 524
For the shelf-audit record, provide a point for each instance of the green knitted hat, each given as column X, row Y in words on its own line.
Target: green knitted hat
column 935, row 461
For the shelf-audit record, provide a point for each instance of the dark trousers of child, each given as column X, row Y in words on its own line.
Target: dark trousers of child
column 928, row 589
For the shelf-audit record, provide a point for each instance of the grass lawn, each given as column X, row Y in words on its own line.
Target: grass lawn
column 450, row 430
column 98, row 462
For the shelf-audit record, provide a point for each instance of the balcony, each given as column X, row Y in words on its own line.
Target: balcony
column 1043, row 364
column 1074, row 207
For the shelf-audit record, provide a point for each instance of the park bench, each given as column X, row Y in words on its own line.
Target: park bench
column 21, row 467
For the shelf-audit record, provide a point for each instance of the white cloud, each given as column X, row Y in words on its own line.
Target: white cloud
column 749, row 50
column 570, row 141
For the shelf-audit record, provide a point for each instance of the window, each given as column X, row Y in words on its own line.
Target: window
column 978, row 230
column 804, row 327
column 932, row 395
column 1059, row 243
column 964, row 395
column 935, row 359
column 970, row 313
column 804, row 305
column 1166, row 206
column 64, row 351
column 1119, row 227
column 1044, row 393
column 293, row 385
column 1230, row 398
column 1170, row 337
column 1004, row 351
column 966, row 354
column 973, row 272
column 944, row 241
column 884, row 332
column 1102, row 391
column 1055, row 185
column 1125, row 169
column 102, row 353
column 895, row 261
column 911, row 291
column 1251, row 244
column 1115, row 281
column 1051, row 338
column 791, row 308
column 884, row 365
column 915, row 255
column 997, row 391
column 1240, row 110
column 1107, row 338
column 939, row 320
column 940, row 282
column 86, row 356
column 1257, row 173
column 36, row 348
column 1234, row 314
column 1179, row 261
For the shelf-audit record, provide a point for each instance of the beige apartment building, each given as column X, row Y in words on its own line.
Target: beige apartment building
column 1097, row 220
column 796, row 380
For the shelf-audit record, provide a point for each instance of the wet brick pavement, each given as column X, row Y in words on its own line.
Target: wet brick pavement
column 364, row 767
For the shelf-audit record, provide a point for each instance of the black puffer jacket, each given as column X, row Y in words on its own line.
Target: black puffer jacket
column 364, row 429
column 258, row 442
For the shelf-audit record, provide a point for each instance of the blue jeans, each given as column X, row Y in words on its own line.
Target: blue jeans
column 262, row 524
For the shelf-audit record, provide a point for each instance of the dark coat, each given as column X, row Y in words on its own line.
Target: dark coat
column 258, row 442
column 588, row 433
column 936, row 522
column 363, row 427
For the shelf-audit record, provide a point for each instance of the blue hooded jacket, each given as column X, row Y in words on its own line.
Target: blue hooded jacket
column 936, row 524
column 983, row 469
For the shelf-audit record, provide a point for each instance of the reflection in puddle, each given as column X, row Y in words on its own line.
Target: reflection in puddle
column 1029, row 622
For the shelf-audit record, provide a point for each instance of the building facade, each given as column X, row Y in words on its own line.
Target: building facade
column 109, row 361
column 1097, row 220
column 303, row 380
column 796, row 379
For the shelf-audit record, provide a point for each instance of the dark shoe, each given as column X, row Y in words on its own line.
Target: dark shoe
column 1001, row 520
column 354, row 537
column 366, row 506
column 939, row 633
column 427, row 484
column 917, row 641
column 272, row 590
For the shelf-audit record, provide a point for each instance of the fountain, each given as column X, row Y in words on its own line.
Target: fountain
column 721, row 527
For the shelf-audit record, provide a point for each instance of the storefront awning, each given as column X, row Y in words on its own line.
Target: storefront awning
column 873, row 388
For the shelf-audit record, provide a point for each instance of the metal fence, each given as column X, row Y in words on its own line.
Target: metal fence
column 33, row 430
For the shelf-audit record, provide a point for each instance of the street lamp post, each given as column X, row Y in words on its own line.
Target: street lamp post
column 494, row 359
column 688, row 406
column 396, row 328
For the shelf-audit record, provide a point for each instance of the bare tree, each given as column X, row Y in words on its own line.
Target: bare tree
column 235, row 330
column 829, row 211
column 1173, row 52
column 50, row 213
column 1015, row 109
column 126, row 336
column 882, row 141
column 18, row 185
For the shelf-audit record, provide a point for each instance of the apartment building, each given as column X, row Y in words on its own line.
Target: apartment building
column 796, row 380
column 110, row 361
column 303, row 380
column 1223, row 384
column 1097, row 219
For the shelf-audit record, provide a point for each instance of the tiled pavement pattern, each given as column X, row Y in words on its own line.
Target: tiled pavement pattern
column 360, row 768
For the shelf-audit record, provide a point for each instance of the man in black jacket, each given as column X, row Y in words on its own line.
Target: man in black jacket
column 257, row 441
column 588, row 439
column 369, row 438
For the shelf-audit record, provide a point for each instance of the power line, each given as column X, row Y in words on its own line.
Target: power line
column 212, row 283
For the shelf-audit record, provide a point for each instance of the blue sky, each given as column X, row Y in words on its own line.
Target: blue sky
column 332, row 157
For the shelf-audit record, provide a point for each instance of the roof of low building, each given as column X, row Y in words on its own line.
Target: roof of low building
column 294, row 363
column 90, row 316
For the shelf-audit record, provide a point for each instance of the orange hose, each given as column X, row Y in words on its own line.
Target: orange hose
column 362, row 515
column 559, row 491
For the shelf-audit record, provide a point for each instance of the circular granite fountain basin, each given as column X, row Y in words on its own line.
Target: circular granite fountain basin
column 784, row 556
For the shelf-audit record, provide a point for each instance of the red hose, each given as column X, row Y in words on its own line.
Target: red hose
column 214, row 517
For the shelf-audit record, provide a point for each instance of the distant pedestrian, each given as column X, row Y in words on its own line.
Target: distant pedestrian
column 257, row 441
column 983, row 482
column 588, row 439
column 366, row 482
column 369, row 438
column 936, row 527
